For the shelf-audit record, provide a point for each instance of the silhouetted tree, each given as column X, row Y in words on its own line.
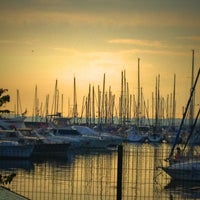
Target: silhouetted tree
column 4, row 98
column 6, row 179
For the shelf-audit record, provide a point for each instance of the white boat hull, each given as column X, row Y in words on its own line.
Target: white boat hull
column 187, row 171
column 96, row 139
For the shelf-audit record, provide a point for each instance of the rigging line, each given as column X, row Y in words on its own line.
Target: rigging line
column 192, row 130
column 184, row 115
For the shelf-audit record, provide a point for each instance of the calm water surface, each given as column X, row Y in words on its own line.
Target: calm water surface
column 92, row 174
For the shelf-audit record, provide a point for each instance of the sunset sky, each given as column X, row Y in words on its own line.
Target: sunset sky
column 42, row 41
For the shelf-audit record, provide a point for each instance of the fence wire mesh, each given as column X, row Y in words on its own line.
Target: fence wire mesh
column 93, row 174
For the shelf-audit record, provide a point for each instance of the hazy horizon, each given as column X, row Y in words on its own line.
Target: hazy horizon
column 44, row 41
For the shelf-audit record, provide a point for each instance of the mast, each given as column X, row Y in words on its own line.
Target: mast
column 75, row 113
column 130, row 106
column 138, row 106
column 17, row 103
column 121, row 99
column 174, row 103
column 47, row 105
column 106, row 109
column 124, row 99
column 185, row 113
column 93, row 105
column 127, row 103
column 62, row 105
column 55, row 100
column 18, row 110
column 156, row 103
column 89, row 105
column 99, row 106
column 103, row 100
column 68, row 109
column 167, row 108
column 153, row 108
column 83, row 108
column 193, row 98
column 35, row 106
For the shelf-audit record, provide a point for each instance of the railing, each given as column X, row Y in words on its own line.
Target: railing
column 130, row 172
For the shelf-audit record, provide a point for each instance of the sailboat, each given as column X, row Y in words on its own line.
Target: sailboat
column 138, row 133
column 185, row 167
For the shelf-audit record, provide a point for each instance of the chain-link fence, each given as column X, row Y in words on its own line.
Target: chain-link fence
column 133, row 171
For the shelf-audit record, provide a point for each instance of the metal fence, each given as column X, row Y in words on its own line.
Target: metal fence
column 130, row 172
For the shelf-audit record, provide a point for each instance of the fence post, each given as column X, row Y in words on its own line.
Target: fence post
column 119, row 172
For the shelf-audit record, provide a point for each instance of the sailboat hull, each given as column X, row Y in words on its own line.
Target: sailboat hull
column 187, row 171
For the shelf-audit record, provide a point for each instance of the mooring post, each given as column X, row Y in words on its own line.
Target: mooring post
column 119, row 172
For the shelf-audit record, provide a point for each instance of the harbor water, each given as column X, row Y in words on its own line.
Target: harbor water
column 92, row 174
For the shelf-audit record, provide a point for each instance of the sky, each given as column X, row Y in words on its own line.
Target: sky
column 42, row 41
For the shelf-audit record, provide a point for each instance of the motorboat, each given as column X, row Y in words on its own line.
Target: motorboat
column 13, row 149
column 17, row 136
column 87, row 137
column 42, row 145
column 12, row 122
column 97, row 139
column 61, row 135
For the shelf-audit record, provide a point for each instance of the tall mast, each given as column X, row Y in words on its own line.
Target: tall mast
column 153, row 107
column 124, row 99
column 17, row 103
column 103, row 100
column 127, row 102
column 62, row 105
column 55, row 99
column 89, row 105
column 174, row 103
column 93, row 105
column 138, row 106
column 75, row 113
column 35, row 106
column 185, row 112
column 156, row 103
column 99, row 106
column 193, row 98
column 121, row 99
column 47, row 105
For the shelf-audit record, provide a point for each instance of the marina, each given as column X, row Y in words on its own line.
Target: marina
column 100, row 100
column 63, row 158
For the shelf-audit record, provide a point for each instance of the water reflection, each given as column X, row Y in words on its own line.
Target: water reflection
column 14, row 164
column 86, row 174
column 184, row 189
